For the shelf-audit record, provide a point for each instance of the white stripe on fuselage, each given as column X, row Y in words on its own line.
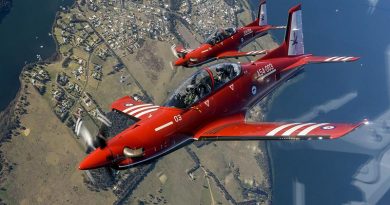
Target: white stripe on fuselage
column 163, row 126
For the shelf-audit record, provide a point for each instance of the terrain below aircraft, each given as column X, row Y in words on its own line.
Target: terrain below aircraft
column 226, row 42
column 211, row 105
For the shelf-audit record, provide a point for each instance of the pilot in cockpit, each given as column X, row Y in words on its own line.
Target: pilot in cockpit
column 225, row 73
column 190, row 95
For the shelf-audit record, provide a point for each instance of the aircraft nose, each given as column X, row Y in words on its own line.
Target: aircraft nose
column 97, row 158
column 180, row 61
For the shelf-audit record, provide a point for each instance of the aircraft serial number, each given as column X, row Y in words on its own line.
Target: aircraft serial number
column 247, row 32
column 269, row 68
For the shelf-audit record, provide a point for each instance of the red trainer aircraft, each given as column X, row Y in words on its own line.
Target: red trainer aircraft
column 211, row 105
column 225, row 43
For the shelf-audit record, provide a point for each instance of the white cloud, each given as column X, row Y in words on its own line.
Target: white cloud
column 326, row 107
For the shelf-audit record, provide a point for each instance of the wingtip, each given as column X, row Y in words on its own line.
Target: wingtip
column 356, row 58
column 352, row 128
column 362, row 123
column 295, row 8
column 365, row 122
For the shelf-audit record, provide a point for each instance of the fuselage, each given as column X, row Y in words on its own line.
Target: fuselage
column 170, row 127
column 208, row 52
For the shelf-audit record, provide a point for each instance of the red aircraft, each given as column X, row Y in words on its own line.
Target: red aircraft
column 211, row 105
column 225, row 43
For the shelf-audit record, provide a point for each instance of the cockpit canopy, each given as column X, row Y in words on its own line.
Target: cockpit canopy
column 220, row 35
column 202, row 83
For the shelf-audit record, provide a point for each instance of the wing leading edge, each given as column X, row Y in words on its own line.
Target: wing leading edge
column 277, row 131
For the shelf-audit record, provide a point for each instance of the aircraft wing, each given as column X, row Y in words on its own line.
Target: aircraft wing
column 276, row 131
column 134, row 107
column 235, row 54
column 321, row 59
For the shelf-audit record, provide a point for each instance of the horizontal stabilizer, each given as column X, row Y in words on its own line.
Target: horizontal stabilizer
column 334, row 59
column 321, row 59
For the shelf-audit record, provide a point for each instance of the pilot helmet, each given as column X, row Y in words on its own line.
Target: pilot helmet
column 190, row 88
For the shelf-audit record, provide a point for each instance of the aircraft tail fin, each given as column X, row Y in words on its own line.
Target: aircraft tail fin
column 261, row 18
column 262, row 13
column 293, row 44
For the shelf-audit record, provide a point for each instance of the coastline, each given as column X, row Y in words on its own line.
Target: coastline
column 9, row 111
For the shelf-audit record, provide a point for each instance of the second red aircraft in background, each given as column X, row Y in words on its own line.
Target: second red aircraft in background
column 226, row 42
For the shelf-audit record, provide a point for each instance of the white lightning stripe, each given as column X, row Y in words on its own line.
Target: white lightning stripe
column 295, row 128
column 250, row 52
column 163, row 126
column 134, row 107
column 348, row 58
column 337, row 59
column 278, row 129
column 145, row 112
column 141, row 109
column 329, row 59
column 309, row 129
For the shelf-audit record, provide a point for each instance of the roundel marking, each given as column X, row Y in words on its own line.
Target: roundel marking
column 329, row 127
column 254, row 90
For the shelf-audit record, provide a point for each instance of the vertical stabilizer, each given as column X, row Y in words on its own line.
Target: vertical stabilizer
column 295, row 45
column 293, row 41
column 262, row 14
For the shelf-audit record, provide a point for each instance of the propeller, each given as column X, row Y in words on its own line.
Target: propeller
column 102, row 118
column 92, row 141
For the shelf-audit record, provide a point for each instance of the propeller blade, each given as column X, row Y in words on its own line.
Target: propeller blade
column 102, row 118
column 90, row 140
